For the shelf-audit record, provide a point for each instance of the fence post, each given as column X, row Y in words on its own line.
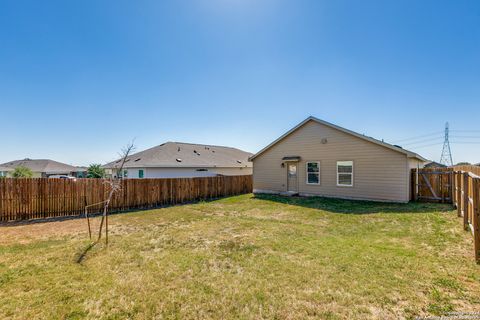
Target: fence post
column 451, row 181
column 459, row 193
column 476, row 217
column 454, row 188
column 465, row 200
column 440, row 187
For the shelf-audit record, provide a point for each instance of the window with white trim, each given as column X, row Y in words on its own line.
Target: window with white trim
column 313, row 172
column 345, row 173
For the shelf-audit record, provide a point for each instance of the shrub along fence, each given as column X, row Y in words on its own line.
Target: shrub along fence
column 459, row 185
column 38, row 198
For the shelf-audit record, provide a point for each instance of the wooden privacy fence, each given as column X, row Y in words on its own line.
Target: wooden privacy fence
column 466, row 197
column 37, row 198
column 473, row 169
column 457, row 185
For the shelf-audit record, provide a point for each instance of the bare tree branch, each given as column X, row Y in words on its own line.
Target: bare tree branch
column 115, row 185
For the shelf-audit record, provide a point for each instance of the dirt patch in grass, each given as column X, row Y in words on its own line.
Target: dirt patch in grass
column 26, row 233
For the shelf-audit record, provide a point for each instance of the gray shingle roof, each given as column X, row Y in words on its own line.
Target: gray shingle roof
column 5, row 169
column 179, row 154
column 41, row 165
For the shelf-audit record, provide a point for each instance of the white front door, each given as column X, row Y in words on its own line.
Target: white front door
column 292, row 181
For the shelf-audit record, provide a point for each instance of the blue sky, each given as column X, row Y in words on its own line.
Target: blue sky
column 80, row 79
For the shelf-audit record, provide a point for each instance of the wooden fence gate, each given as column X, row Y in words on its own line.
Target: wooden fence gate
column 433, row 185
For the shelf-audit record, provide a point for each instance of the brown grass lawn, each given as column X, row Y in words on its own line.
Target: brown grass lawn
column 245, row 258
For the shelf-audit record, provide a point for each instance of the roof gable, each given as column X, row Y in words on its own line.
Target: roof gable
column 408, row 153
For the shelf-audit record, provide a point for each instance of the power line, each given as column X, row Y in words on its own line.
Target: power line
column 421, row 141
column 466, row 142
column 465, row 130
column 419, row 137
column 428, row 145
column 439, row 143
column 466, row 137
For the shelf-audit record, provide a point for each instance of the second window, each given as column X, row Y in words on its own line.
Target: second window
column 313, row 172
column 345, row 173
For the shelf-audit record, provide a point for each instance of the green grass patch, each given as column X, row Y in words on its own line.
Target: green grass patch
column 246, row 257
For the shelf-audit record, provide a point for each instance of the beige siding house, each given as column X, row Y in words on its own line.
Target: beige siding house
column 320, row 158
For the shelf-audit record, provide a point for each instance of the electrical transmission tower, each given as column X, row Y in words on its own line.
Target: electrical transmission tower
column 446, row 157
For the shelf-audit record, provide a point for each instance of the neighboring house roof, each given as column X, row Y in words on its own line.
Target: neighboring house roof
column 179, row 154
column 41, row 165
column 434, row 164
column 408, row 153
column 5, row 169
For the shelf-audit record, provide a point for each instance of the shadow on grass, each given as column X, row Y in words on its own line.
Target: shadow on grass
column 97, row 214
column 355, row 206
column 82, row 254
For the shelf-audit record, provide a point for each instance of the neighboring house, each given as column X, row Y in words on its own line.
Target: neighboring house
column 177, row 160
column 434, row 164
column 43, row 168
column 4, row 171
column 320, row 158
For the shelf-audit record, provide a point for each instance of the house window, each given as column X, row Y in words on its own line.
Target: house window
column 141, row 173
column 313, row 172
column 345, row 173
column 125, row 173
